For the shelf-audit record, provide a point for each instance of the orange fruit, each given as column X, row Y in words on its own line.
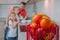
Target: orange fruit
column 33, row 25
column 52, row 24
column 36, row 18
column 45, row 23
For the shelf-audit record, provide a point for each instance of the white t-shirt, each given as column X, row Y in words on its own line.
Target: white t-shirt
column 17, row 17
column 21, row 17
column 12, row 31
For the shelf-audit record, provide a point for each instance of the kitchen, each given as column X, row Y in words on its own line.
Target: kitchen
column 48, row 7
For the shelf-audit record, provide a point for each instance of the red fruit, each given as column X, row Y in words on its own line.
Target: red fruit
column 35, row 38
column 40, row 32
column 32, row 31
column 49, row 36
column 53, row 27
column 33, row 25
column 52, row 24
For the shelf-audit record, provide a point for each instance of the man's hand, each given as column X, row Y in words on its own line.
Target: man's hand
column 25, row 17
column 17, row 22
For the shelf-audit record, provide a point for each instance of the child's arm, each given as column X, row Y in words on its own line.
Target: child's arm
column 13, row 25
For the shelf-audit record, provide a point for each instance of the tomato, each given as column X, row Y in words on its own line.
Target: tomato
column 40, row 32
column 52, row 24
column 32, row 31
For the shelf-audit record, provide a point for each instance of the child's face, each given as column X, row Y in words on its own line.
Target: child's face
column 16, row 10
column 13, row 17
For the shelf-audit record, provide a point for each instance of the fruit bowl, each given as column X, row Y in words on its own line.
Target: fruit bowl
column 42, row 28
column 30, row 37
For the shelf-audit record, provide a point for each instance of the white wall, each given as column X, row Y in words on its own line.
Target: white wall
column 11, row 1
column 40, row 7
column 30, row 10
column 51, row 9
column 4, row 10
column 57, row 11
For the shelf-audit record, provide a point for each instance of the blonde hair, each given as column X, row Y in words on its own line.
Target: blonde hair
column 14, row 15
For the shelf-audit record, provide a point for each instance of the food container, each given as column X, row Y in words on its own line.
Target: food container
column 23, row 25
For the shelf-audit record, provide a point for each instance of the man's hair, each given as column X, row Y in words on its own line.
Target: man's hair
column 23, row 3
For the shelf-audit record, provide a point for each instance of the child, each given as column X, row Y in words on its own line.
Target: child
column 15, row 10
column 12, row 33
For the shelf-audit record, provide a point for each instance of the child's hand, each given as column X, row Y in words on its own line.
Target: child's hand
column 17, row 22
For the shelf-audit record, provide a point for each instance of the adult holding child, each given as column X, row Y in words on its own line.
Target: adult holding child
column 21, row 12
column 20, row 15
column 10, row 24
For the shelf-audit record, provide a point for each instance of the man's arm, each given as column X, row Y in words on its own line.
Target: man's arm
column 7, row 18
column 25, row 17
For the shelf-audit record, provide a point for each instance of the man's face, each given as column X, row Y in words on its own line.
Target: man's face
column 22, row 6
column 16, row 10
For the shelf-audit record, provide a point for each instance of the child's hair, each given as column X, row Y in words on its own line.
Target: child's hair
column 14, row 15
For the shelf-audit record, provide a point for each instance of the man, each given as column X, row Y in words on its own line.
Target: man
column 22, row 12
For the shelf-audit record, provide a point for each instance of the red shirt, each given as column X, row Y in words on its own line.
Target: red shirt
column 22, row 12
